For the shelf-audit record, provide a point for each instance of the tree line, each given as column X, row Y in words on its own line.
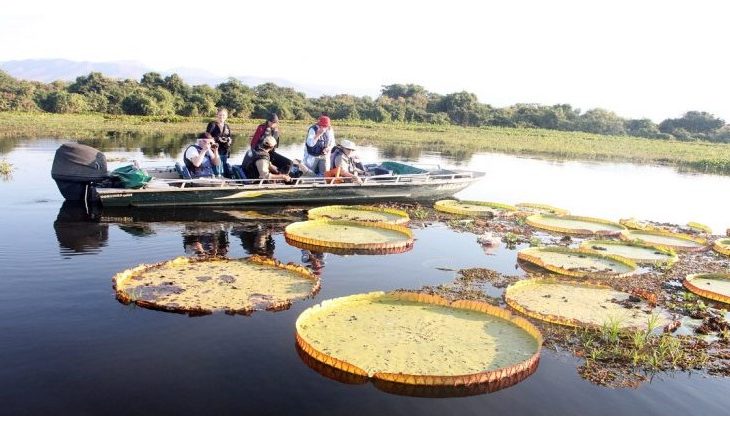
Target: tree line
column 170, row 96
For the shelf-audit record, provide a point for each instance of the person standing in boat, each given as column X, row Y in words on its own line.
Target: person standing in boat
column 221, row 132
column 257, row 163
column 320, row 140
column 202, row 158
column 270, row 127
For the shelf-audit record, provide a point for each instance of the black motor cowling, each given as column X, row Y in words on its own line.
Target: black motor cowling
column 77, row 166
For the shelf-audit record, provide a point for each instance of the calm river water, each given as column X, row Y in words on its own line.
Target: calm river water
column 67, row 346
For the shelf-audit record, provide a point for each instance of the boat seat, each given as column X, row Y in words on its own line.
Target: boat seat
column 238, row 172
column 183, row 171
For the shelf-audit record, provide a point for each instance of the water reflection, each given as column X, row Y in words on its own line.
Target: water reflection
column 205, row 241
column 314, row 261
column 257, row 238
column 77, row 232
column 439, row 391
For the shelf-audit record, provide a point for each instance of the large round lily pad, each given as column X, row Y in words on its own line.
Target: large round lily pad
column 419, row 339
column 723, row 246
column 207, row 285
column 676, row 241
column 540, row 208
column 641, row 253
column 359, row 213
column 578, row 263
column 571, row 224
column 577, row 304
column 350, row 235
column 473, row 207
column 692, row 227
column 715, row 286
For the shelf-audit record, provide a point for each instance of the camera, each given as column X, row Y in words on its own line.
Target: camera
column 224, row 140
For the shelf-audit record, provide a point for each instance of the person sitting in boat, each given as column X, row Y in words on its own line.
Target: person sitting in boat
column 221, row 132
column 257, row 163
column 320, row 140
column 343, row 163
column 270, row 127
column 202, row 158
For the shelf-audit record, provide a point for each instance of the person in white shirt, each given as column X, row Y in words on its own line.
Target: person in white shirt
column 320, row 140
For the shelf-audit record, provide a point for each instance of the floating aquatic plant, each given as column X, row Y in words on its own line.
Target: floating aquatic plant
column 419, row 339
column 202, row 286
column 638, row 252
column 576, row 304
column 571, row 224
column 350, row 235
column 473, row 207
column 715, row 286
column 541, row 208
column 360, row 213
column 676, row 241
column 578, row 263
column 722, row 246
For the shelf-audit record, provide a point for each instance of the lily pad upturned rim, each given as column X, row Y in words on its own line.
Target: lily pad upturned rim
column 551, row 209
column 485, row 377
column 689, row 283
column 524, row 255
column 722, row 246
column 321, row 212
column 534, row 221
column 701, row 242
column 327, row 244
column 410, row 390
column 702, row 228
column 122, row 277
column 449, row 206
column 673, row 257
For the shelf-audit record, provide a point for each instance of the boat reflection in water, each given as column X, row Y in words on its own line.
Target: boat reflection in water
column 77, row 232
column 206, row 232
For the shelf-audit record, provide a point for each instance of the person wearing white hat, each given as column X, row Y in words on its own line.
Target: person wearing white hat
column 343, row 164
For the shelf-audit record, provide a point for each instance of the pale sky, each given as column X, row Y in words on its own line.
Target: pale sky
column 637, row 58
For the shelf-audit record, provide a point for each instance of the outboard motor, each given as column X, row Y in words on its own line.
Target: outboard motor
column 76, row 167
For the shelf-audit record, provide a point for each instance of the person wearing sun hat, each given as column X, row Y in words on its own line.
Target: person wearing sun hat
column 317, row 147
column 257, row 164
column 343, row 164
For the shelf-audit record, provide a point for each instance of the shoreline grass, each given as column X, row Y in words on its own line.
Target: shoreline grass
column 449, row 140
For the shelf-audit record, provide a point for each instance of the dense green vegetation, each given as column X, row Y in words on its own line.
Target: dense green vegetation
column 171, row 97
column 155, row 135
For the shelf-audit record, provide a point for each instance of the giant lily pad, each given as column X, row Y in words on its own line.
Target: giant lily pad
column 723, row 246
column 350, row 235
column 715, row 286
column 204, row 286
column 473, row 208
column 571, row 224
column 676, row 241
column 645, row 254
column 540, row 208
column 419, row 339
column 577, row 304
column 578, row 263
column 699, row 227
column 691, row 227
column 360, row 213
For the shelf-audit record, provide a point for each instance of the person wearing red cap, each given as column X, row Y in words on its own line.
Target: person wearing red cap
column 320, row 140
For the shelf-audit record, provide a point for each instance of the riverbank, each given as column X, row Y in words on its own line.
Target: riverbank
column 397, row 139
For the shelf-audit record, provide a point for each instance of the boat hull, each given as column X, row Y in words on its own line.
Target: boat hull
column 225, row 195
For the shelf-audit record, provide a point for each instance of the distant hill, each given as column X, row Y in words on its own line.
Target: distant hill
column 49, row 70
